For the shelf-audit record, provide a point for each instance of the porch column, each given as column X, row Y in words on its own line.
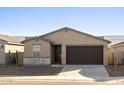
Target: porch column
column 63, row 55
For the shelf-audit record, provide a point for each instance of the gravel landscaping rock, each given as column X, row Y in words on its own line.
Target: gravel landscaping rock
column 12, row 70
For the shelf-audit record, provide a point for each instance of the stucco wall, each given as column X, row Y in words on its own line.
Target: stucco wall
column 110, row 56
column 118, row 54
column 13, row 48
column 45, row 48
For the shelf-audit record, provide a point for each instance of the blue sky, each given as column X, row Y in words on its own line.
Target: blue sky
column 37, row 21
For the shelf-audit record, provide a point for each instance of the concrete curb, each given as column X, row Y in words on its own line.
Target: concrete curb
column 35, row 78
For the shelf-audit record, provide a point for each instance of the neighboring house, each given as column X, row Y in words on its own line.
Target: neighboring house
column 115, row 39
column 8, row 46
column 118, row 53
column 65, row 46
column 19, row 38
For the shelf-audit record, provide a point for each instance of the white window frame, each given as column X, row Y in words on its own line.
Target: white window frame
column 37, row 52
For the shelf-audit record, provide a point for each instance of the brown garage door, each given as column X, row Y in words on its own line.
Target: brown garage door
column 84, row 55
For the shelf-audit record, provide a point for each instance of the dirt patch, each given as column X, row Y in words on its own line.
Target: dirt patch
column 29, row 70
column 117, row 71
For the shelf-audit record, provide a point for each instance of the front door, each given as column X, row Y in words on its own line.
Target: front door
column 56, row 54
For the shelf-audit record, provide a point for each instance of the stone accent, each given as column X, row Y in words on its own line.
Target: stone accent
column 36, row 61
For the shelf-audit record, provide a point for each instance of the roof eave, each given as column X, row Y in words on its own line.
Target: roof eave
column 13, row 43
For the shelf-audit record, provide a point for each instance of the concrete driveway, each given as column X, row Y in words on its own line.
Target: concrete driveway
column 84, row 72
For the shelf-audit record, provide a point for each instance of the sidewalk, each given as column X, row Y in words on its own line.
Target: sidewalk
column 110, row 80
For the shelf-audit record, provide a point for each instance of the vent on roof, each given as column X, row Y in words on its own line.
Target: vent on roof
column 66, row 30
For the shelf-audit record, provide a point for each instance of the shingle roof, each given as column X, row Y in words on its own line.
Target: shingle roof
column 118, row 44
column 20, row 38
column 9, row 39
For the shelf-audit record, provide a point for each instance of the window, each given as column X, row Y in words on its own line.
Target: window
column 36, row 50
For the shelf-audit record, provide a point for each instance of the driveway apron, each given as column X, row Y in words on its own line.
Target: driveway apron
column 92, row 72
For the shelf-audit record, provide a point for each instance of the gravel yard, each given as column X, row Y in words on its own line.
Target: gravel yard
column 12, row 70
column 115, row 71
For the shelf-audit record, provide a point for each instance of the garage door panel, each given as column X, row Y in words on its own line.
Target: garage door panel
column 84, row 54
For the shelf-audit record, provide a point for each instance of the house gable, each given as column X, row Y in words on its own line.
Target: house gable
column 71, row 36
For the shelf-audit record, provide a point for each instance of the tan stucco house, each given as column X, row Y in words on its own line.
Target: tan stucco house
column 65, row 46
column 8, row 47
